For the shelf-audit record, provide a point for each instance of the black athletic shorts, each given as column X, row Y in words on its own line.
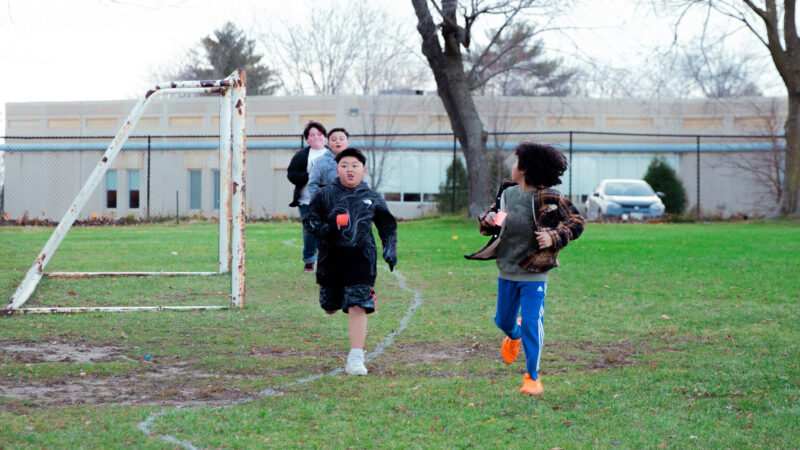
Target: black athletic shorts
column 332, row 298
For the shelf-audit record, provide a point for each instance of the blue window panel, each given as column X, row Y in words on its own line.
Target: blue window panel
column 216, row 190
column 195, row 189
column 111, row 180
column 133, row 180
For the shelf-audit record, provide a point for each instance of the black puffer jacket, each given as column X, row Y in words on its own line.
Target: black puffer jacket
column 348, row 255
column 297, row 173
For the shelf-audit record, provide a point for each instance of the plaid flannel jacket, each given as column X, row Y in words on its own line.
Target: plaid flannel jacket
column 559, row 217
column 554, row 214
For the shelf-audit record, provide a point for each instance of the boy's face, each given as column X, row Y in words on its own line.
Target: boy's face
column 315, row 139
column 517, row 176
column 350, row 171
column 337, row 142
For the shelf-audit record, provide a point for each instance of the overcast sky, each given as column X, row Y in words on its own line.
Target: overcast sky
column 73, row 50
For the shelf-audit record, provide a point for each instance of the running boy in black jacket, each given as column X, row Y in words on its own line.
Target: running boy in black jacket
column 341, row 216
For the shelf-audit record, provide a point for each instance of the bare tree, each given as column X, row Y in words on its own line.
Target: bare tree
column 512, row 62
column 719, row 73
column 379, row 126
column 446, row 61
column 500, row 120
column 774, row 25
column 316, row 56
column 764, row 168
column 353, row 47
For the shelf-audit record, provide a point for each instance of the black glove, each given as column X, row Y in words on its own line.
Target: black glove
column 390, row 256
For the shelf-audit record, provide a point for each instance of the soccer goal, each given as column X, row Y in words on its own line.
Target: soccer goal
column 232, row 145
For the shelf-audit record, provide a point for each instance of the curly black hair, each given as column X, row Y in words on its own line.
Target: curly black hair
column 543, row 164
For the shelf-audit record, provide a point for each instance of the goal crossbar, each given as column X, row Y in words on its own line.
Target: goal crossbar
column 232, row 123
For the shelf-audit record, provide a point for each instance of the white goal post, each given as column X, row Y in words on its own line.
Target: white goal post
column 232, row 146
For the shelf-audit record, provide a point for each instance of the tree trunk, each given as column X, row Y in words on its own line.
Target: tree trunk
column 787, row 61
column 791, row 179
column 454, row 90
column 468, row 128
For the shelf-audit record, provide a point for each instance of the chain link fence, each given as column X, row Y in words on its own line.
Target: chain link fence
column 175, row 177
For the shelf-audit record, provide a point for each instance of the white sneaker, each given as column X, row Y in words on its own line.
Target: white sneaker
column 355, row 362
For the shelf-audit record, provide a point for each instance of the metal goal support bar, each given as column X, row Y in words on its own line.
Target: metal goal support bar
column 232, row 193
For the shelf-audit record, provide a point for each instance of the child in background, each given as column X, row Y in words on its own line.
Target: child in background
column 323, row 170
column 341, row 216
column 299, row 169
column 538, row 222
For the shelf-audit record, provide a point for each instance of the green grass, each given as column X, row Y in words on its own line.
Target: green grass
column 657, row 335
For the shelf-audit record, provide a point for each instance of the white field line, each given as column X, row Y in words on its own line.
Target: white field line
column 144, row 426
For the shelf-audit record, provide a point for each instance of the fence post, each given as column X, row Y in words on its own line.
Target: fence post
column 148, row 177
column 453, row 201
column 177, row 205
column 698, row 178
column 570, row 167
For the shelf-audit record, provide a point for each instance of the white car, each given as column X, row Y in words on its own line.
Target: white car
column 625, row 199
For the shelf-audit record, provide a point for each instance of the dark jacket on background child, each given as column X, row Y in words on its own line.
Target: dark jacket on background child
column 297, row 173
column 348, row 255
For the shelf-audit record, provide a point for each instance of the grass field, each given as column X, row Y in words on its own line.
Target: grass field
column 657, row 336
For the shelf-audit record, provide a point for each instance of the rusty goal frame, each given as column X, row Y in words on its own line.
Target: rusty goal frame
column 232, row 147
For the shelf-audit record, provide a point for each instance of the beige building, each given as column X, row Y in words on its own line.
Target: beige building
column 171, row 164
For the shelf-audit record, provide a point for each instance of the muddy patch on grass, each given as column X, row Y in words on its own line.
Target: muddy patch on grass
column 424, row 353
column 147, row 389
column 179, row 383
column 559, row 357
column 176, row 385
column 586, row 356
column 149, row 384
column 33, row 352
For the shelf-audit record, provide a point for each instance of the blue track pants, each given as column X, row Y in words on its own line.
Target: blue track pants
column 525, row 298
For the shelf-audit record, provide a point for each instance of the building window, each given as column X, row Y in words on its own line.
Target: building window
column 133, row 189
column 216, row 190
column 409, row 197
column 195, row 189
column 111, row 189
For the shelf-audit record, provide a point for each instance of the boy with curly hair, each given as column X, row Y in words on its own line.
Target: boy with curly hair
column 530, row 222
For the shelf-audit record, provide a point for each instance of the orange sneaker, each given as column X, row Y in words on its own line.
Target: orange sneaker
column 510, row 349
column 531, row 386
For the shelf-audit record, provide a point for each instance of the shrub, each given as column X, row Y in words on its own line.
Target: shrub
column 445, row 196
column 498, row 170
column 662, row 178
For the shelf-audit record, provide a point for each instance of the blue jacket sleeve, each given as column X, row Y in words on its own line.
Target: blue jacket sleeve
column 314, row 180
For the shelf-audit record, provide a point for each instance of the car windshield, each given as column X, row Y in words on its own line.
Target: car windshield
column 629, row 188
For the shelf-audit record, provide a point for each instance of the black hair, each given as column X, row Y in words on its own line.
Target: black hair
column 354, row 152
column 543, row 164
column 340, row 130
column 314, row 124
